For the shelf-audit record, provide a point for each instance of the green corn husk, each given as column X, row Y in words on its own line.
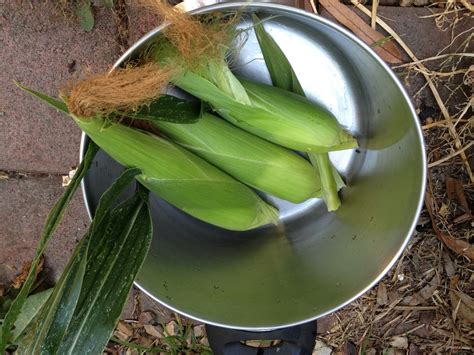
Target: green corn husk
column 182, row 178
column 252, row 160
column 277, row 115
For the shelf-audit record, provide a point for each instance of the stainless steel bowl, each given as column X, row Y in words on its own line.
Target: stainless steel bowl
column 314, row 262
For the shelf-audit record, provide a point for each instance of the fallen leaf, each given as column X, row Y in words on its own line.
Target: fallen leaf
column 459, row 246
column 455, row 191
column 462, row 304
column 399, row 342
column 22, row 276
column 388, row 51
column 448, row 265
column 443, row 210
column 428, row 291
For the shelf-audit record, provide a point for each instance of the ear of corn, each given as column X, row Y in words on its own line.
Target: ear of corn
column 252, row 160
column 274, row 114
column 284, row 77
column 182, row 178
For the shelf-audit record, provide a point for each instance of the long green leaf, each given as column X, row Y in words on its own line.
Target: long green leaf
column 51, row 101
column 113, row 264
column 284, row 77
column 110, row 195
column 169, row 109
column 30, row 309
column 45, row 334
column 54, row 217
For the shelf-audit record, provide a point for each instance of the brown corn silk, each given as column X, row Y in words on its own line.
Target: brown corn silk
column 122, row 90
column 126, row 89
column 196, row 40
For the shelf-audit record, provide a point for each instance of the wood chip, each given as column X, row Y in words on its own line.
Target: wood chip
column 382, row 297
column 171, row 328
column 199, row 330
column 154, row 330
column 147, row 317
column 120, row 335
column 131, row 352
column 399, row 342
column 388, row 51
column 68, row 178
column 204, row 341
column 124, row 328
column 459, row 246
column 321, row 348
column 462, row 304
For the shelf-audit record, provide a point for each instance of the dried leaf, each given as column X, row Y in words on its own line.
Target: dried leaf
column 342, row 13
column 443, row 210
column 428, row 291
column 459, row 246
column 455, row 192
column 21, row 277
column 461, row 302
column 449, row 266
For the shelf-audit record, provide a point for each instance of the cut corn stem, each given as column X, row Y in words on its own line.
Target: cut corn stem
column 328, row 180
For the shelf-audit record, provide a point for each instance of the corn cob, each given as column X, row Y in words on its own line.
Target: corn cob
column 181, row 178
column 252, row 160
column 277, row 115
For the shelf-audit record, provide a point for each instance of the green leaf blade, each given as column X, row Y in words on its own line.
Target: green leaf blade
column 115, row 259
column 54, row 217
column 55, row 316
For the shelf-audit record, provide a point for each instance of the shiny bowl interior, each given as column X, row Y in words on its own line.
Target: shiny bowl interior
column 313, row 262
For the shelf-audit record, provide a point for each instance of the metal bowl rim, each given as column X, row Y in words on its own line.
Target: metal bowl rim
column 315, row 17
